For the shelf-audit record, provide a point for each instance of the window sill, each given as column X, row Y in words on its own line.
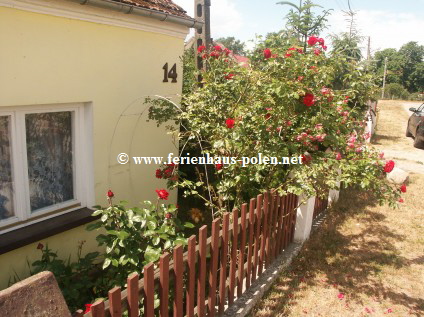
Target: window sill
column 23, row 236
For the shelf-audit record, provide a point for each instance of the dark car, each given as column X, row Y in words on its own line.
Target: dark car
column 415, row 126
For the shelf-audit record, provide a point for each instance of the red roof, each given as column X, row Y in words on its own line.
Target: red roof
column 242, row 60
column 166, row 6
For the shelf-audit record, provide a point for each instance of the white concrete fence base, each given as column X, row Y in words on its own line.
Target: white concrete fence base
column 304, row 218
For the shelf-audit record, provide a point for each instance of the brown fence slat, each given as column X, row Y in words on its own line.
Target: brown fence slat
column 178, row 281
column 242, row 248
column 98, row 308
column 294, row 212
column 214, row 266
column 233, row 262
column 115, row 302
column 224, row 258
column 258, row 222
column 279, row 226
column 269, row 230
column 201, row 283
column 288, row 216
column 274, row 240
column 132, row 290
column 149, row 290
column 250, row 243
column 164, row 285
column 264, row 233
column 191, row 284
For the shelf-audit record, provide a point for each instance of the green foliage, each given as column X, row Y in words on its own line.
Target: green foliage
column 76, row 280
column 395, row 91
column 303, row 21
column 404, row 66
column 269, row 115
column 236, row 46
column 135, row 237
column 348, row 45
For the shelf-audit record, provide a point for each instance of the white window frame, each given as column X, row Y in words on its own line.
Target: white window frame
column 82, row 164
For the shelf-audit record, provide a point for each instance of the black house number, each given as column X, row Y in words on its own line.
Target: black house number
column 172, row 73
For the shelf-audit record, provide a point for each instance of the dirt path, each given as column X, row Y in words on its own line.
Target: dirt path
column 390, row 136
column 365, row 259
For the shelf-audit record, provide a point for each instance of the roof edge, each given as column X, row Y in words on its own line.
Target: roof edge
column 140, row 11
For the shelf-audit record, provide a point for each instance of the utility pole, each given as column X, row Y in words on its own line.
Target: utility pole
column 369, row 48
column 384, row 77
column 202, row 35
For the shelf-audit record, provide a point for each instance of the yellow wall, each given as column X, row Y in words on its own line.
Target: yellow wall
column 48, row 60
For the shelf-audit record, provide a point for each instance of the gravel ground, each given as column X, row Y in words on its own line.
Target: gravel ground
column 393, row 142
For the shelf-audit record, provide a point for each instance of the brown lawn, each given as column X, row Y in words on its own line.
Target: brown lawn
column 365, row 260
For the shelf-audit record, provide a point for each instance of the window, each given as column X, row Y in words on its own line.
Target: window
column 41, row 163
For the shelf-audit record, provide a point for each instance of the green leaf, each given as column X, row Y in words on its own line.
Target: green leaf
column 155, row 240
column 106, row 263
column 188, row 225
column 97, row 212
column 92, row 226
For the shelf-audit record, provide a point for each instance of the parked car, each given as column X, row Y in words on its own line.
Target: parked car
column 415, row 126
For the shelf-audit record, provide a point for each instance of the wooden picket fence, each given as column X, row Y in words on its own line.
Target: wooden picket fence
column 321, row 204
column 213, row 271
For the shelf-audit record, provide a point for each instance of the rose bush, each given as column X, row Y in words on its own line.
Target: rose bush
column 136, row 236
column 290, row 102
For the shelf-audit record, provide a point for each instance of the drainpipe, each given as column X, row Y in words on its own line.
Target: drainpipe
column 132, row 9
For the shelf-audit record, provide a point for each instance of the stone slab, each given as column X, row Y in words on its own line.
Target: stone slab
column 36, row 296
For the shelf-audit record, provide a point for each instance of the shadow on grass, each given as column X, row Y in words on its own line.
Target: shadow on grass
column 350, row 261
column 378, row 138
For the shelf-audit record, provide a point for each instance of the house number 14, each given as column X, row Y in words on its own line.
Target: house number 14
column 172, row 73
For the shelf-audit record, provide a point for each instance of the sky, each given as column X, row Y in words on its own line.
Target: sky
column 389, row 23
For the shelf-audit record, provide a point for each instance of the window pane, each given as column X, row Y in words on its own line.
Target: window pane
column 50, row 158
column 6, row 183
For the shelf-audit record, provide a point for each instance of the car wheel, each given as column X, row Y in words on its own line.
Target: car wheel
column 419, row 144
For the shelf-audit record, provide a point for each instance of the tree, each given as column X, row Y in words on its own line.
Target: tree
column 347, row 45
column 417, row 78
column 303, row 21
column 412, row 55
column 237, row 46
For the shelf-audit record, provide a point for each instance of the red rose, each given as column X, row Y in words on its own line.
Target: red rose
column 162, row 194
column 403, row 188
column 168, row 215
column 401, row 200
column 205, row 56
column 389, row 166
column 308, row 100
column 300, row 78
column 320, row 41
column 267, row 53
column 312, row 40
column 158, row 173
column 40, row 246
column 214, row 54
column 338, row 156
column 288, row 55
column 87, row 308
column 324, row 47
column 201, row 48
column 218, row 48
column 229, row 76
column 227, row 51
column 110, row 193
column 306, row 158
column 300, row 51
column 230, row 123
column 219, row 166
column 317, row 51
column 292, row 49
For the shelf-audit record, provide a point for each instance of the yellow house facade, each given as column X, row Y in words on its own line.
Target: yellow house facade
column 73, row 80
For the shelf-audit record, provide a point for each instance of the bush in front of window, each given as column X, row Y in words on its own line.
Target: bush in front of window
column 136, row 236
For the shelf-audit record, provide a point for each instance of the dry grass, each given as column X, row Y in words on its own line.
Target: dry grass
column 372, row 256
